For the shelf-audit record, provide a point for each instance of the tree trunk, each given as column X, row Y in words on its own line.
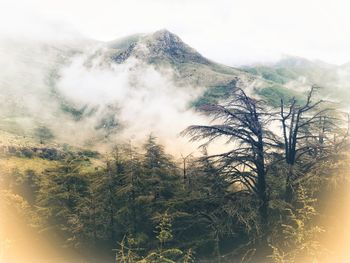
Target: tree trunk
column 263, row 248
column 289, row 190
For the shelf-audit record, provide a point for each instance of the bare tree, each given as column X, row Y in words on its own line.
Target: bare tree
column 309, row 134
column 243, row 122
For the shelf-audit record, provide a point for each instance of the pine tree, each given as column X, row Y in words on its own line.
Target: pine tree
column 160, row 173
column 61, row 192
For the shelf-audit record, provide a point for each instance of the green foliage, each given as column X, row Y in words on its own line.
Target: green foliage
column 43, row 134
column 60, row 197
column 108, row 123
column 77, row 114
column 212, row 95
column 160, row 172
column 126, row 254
column 15, row 212
column 74, row 111
column 275, row 93
column 297, row 239
column 164, row 229
column 279, row 75
column 159, row 209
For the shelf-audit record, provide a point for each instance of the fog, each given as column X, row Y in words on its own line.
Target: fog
column 45, row 61
column 145, row 100
column 39, row 75
column 231, row 32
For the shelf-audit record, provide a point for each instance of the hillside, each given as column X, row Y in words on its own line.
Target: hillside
column 164, row 48
column 47, row 83
column 83, row 88
column 100, row 159
column 296, row 72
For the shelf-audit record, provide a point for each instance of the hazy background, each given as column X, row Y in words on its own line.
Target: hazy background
column 228, row 31
column 50, row 47
column 39, row 39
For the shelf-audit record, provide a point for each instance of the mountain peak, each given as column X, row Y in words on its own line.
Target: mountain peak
column 166, row 35
column 163, row 32
column 159, row 46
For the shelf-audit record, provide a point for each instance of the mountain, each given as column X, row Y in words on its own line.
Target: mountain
column 295, row 72
column 85, row 91
column 159, row 46
column 165, row 49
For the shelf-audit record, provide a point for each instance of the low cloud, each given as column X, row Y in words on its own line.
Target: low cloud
column 147, row 100
column 36, row 75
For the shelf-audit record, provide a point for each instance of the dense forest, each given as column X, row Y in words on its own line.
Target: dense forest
column 262, row 196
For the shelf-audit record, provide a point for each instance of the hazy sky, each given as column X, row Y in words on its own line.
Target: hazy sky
column 228, row 31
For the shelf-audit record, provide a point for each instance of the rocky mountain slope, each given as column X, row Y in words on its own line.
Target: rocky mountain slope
column 46, row 82
column 84, row 91
column 164, row 48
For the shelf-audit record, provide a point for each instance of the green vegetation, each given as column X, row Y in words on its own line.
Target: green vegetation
column 269, row 74
column 140, row 204
column 212, row 95
column 77, row 113
column 43, row 134
column 275, row 93
column 272, row 94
